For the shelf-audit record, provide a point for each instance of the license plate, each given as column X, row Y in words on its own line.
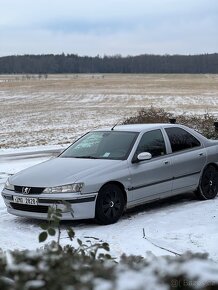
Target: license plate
column 25, row 200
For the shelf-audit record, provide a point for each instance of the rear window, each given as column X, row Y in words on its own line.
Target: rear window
column 180, row 139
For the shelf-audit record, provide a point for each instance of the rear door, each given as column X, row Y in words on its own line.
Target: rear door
column 188, row 158
column 151, row 177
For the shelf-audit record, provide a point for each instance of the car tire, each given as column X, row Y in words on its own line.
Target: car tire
column 208, row 186
column 109, row 205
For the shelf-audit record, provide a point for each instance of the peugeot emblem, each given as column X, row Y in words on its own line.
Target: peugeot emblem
column 26, row 190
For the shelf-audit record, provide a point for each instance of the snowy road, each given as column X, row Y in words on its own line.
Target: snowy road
column 177, row 224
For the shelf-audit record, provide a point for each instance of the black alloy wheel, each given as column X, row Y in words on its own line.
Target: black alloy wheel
column 208, row 186
column 110, row 204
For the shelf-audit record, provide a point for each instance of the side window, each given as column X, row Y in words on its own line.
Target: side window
column 152, row 142
column 181, row 139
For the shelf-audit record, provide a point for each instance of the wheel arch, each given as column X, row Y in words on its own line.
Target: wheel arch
column 120, row 185
column 215, row 165
column 205, row 167
column 199, row 193
column 210, row 164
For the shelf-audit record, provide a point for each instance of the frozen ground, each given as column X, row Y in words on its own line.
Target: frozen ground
column 177, row 224
column 55, row 110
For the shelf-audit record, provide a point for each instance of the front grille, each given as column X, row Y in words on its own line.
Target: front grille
column 33, row 190
column 30, row 208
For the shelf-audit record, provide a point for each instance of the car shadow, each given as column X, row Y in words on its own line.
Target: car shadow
column 129, row 214
column 148, row 207
column 163, row 203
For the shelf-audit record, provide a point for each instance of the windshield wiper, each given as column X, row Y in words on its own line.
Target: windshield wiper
column 86, row 157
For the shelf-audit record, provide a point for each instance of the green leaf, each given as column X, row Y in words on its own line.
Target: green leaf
column 101, row 256
column 44, row 227
column 50, row 212
column 43, row 236
column 107, row 256
column 92, row 254
column 55, row 221
column 51, row 231
column 71, row 233
column 79, row 242
column 82, row 252
column 58, row 214
column 58, row 210
column 106, row 247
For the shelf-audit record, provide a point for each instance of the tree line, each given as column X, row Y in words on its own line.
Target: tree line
column 72, row 63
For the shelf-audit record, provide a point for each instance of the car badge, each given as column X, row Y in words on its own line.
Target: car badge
column 26, row 190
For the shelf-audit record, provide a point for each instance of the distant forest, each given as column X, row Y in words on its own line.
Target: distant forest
column 72, row 63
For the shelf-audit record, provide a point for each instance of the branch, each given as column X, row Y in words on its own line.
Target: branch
column 160, row 247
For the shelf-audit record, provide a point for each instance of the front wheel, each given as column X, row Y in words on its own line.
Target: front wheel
column 208, row 186
column 110, row 204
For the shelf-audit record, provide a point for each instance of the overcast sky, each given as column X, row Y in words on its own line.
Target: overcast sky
column 91, row 27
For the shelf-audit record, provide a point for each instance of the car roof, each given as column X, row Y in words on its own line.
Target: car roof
column 147, row 127
column 139, row 127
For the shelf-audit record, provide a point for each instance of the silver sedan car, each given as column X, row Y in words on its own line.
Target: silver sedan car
column 110, row 170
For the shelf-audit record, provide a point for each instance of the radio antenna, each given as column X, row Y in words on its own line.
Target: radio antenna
column 114, row 126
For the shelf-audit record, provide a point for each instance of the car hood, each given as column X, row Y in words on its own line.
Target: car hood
column 60, row 171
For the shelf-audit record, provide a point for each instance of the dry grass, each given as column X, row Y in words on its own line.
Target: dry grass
column 55, row 110
column 153, row 84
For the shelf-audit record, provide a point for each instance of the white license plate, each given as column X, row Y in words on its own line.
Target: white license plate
column 25, row 200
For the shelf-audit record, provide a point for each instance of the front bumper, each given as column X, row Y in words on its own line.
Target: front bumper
column 82, row 206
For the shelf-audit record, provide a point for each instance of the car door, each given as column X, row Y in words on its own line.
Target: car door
column 188, row 159
column 151, row 177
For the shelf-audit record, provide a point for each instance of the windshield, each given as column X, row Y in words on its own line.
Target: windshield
column 102, row 145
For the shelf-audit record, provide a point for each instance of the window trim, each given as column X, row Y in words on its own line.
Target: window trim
column 183, row 150
column 140, row 138
column 106, row 131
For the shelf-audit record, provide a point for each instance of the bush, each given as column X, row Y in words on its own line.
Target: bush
column 89, row 266
column 51, row 268
column 203, row 124
column 64, row 268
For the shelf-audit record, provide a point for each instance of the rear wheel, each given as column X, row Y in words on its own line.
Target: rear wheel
column 110, row 204
column 208, row 186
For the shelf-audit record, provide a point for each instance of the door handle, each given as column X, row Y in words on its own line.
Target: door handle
column 166, row 162
column 201, row 154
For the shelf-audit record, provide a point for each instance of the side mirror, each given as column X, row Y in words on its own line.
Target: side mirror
column 144, row 156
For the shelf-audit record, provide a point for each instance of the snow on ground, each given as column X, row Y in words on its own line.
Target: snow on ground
column 177, row 224
column 60, row 108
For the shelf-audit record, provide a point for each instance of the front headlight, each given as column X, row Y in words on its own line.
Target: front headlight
column 75, row 187
column 9, row 186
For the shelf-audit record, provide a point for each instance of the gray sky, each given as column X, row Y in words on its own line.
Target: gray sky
column 91, row 27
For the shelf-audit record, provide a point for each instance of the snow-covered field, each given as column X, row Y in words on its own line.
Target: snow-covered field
column 175, row 225
column 53, row 111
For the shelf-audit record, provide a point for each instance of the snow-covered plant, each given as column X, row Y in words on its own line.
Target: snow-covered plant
column 202, row 123
column 65, row 269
